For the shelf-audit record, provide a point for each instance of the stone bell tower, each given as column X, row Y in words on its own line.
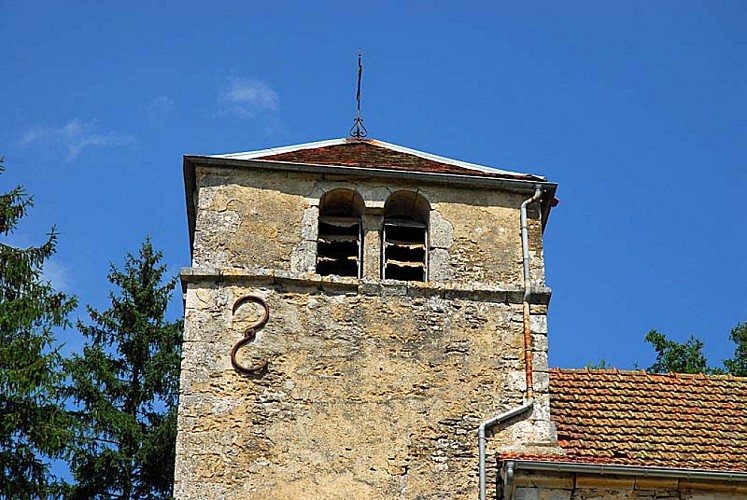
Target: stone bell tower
column 354, row 311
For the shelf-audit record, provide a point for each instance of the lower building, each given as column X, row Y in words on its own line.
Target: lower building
column 634, row 435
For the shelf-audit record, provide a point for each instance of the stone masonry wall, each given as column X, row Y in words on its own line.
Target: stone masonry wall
column 371, row 391
column 269, row 221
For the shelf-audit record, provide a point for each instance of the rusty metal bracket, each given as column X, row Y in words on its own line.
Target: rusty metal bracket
column 250, row 333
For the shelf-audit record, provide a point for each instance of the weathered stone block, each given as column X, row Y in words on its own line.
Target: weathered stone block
column 525, row 493
column 538, row 323
column 650, row 483
column 609, row 482
column 541, row 382
column 539, row 361
column 555, row 494
column 440, row 232
column 310, row 224
column 439, row 268
column 545, row 480
column 303, row 258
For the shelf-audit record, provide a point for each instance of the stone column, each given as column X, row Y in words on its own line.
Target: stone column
column 372, row 246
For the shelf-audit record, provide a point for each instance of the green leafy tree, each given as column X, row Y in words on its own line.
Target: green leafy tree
column 737, row 365
column 125, row 384
column 671, row 356
column 602, row 365
column 34, row 427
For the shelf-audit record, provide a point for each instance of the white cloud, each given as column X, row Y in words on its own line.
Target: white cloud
column 247, row 97
column 56, row 273
column 31, row 136
column 74, row 136
column 161, row 103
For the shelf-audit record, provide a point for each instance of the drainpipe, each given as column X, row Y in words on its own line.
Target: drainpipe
column 527, row 291
column 508, row 486
column 481, row 436
column 528, row 401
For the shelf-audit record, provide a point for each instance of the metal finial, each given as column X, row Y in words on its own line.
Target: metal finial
column 359, row 130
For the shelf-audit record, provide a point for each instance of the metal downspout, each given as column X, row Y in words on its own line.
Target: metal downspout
column 527, row 290
column 481, row 437
column 509, row 483
column 528, row 399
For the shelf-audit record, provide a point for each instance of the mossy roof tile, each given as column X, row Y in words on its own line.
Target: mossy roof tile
column 640, row 419
column 369, row 153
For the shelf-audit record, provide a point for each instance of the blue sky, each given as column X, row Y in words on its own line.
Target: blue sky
column 637, row 109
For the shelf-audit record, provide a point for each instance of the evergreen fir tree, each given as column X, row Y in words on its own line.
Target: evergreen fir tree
column 34, row 427
column 125, row 384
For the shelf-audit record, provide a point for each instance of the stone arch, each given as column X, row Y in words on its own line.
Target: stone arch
column 404, row 243
column 339, row 236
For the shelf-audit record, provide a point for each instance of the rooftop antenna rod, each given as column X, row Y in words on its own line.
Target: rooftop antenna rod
column 359, row 130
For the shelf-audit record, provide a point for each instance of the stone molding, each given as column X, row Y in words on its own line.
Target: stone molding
column 508, row 295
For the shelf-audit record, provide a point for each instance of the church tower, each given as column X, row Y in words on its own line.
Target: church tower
column 355, row 312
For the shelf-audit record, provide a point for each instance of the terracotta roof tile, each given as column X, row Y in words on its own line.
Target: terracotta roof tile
column 639, row 419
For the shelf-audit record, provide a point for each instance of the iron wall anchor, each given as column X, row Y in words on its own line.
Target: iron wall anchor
column 250, row 333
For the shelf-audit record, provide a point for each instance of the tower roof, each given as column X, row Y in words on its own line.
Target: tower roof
column 367, row 158
column 370, row 153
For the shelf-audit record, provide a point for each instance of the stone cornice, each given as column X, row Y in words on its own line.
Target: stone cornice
column 387, row 288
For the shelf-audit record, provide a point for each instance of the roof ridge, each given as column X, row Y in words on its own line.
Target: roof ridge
column 640, row 373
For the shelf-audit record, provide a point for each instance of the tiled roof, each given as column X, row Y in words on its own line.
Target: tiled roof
column 368, row 153
column 639, row 419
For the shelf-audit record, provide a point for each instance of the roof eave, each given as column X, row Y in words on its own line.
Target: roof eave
column 520, row 183
column 625, row 470
column 252, row 155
